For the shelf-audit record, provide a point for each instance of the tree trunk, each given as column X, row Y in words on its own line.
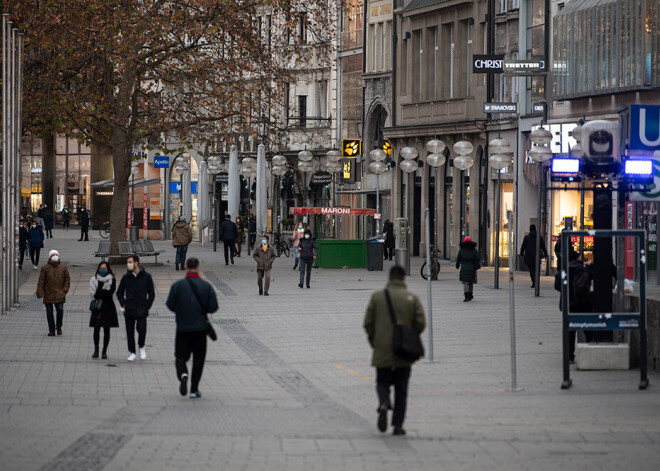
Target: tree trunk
column 121, row 159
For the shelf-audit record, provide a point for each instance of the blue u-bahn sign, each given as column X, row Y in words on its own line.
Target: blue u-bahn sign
column 645, row 127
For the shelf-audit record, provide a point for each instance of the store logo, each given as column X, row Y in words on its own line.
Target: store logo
column 645, row 127
column 351, row 148
column 482, row 64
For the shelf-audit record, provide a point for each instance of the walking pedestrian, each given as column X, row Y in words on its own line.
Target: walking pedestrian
column 35, row 239
column 22, row 242
column 48, row 222
column 468, row 261
column 40, row 215
column 392, row 370
column 227, row 234
column 101, row 288
column 53, row 285
column 136, row 296
column 298, row 234
column 252, row 230
column 388, row 230
column 528, row 252
column 66, row 217
column 84, row 218
column 181, row 238
column 307, row 251
column 240, row 230
column 264, row 257
column 191, row 299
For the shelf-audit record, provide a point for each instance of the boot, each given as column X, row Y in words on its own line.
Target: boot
column 96, row 353
column 470, row 296
column 466, row 297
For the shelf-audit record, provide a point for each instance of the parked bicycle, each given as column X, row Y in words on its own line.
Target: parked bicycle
column 104, row 232
column 280, row 246
column 435, row 265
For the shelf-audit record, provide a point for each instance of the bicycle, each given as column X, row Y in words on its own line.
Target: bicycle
column 281, row 247
column 435, row 265
column 104, row 232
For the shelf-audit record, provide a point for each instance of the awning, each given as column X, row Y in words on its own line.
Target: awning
column 139, row 183
column 336, row 211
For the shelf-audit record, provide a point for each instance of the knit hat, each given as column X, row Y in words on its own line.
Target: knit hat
column 467, row 239
column 53, row 252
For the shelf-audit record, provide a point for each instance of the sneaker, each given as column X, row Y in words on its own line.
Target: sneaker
column 51, row 333
column 266, row 293
column 143, row 353
column 104, row 356
column 183, row 384
column 300, row 286
column 131, row 357
column 398, row 431
column 382, row 419
column 35, row 267
column 195, row 395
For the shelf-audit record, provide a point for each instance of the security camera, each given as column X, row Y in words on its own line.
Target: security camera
column 600, row 142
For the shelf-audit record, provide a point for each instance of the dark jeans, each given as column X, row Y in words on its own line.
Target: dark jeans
column 59, row 307
column 49, row 233
column 181, row 252
column 397, row 377
column 34, row 255
column 253, row 238
column 21, row 256
column 532, row 273
column 306, row 266
column 187, row 343
column 65, row 223
column 84, row 231
column 389, row 253
column 131, row 324
column 229, row 249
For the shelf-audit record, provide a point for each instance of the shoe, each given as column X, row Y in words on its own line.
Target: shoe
column 35, row 267
column 95, row 354
column 382, row 419
column 308, row 286
column 176, row 267
column 20, row 267
column 131, row 357
column 261, row 292
column 51, row 333
column 59, row 331
column 398, row 431
column 266, row 293
column 232, row 261
column 295, row 266
column 466, row 297
column 300, row 285
column 143, row 353
column 195, row 395
column 533, row 285
column 104, row 356
column 226, row 263
column 79, row 240
column 183, row 384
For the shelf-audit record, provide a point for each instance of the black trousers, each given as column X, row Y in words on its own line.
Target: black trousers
column 34, row 255
column 49, row 233
column 229, row 249
column 97, row 335
column 397, row 377
column 84, row 231
column 532, row 272
column 21, row 255
column 185, row 344
column 389, row 253
column 131, row 325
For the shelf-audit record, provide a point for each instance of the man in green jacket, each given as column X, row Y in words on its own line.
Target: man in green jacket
column 392, row 370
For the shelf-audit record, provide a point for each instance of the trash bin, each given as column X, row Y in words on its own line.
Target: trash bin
column 134, row 233
column 375, row 247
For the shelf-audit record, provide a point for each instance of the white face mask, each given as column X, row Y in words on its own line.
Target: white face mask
column 55, row 258
column 264, row 242
column 306, row 236
column 34, row 226
column 130, row 266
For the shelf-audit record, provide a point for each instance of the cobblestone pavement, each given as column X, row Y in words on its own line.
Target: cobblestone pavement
column 288, row 384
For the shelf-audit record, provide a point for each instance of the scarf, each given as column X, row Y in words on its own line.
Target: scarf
column 94, row 283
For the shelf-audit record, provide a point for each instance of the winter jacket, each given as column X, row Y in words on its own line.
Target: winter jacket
column 307, row 249
column 252, row 225
column 228, row 230
column 66, row 214
column 48, row 220
column 297, row 237
column 468, row 261
column 190, row 315
column 35, row 237
column 40, row 212
column 84, row 219
column 388, row 230
column 181, row 234
column 22, row 238
column 265, row 258
column 136, row 293
column 54, row 282
column 108, row 311
column 528, row 248
column 240, row 228
column 408, row 311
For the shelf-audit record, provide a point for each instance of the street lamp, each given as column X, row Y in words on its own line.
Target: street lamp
column 279, row 169
column 435, row 158
column 540, row 153
column 182, row 167
column 134, row 171
column 409, row 165
column 214, row 168
column 501, row 157
column 305, row 165
column 248, row 171
column 377, row 166
column 463, row 162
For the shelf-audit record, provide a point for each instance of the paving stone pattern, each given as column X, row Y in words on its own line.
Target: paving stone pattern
column 289, row 386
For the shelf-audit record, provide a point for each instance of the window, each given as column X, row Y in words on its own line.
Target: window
column 302, row 110
column 381, row 44
column 287, row 97
column 417, row 65
column 372, row 34
column 322, row 99
column 269, row 29
column 468, row 68
column 448, row 39
column 436, row 63
column 302, row 28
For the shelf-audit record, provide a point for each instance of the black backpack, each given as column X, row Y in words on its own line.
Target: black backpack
column 580, row 298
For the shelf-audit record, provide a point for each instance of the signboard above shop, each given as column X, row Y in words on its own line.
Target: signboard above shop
column 500, row 107
column 161, row 161
column 523, row 67
column 487, row 64
column 645, row 127
column 351, row 148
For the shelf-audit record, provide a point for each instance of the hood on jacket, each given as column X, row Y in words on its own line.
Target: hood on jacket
column 180, row 224
column 468, row 245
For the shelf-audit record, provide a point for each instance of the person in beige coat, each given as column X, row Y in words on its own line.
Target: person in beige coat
column 264, row 256
column 181, row 238
column 52, row 287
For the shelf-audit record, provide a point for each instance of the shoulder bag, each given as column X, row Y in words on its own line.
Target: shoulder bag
column 210, row 331
column 406, row 342
column 96, row 305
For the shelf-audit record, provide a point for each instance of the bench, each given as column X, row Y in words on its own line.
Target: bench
column 126, row 249
column 145, row 248
column 103, row 251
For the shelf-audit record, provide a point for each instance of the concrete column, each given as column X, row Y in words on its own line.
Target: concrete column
column 234, row 184
column 262, row 179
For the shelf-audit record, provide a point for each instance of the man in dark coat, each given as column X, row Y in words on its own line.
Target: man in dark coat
column 136, row 295
column 468, row 261
column 307, row 251
column 392, row 370
column 388, row 230
column 83, row 218
column 48, row 222
column 227, row 234
column 66, row 218
column 22, row 243
column 252, row 230
column 191, row 299
column 528, row 251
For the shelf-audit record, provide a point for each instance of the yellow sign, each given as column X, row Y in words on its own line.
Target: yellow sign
column 387, row 147
column 351, row 148
column 347, row 169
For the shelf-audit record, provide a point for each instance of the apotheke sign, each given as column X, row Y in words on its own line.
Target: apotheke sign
column 487, row 64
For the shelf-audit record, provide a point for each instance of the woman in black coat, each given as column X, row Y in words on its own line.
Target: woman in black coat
column 468, row 261
column 388, row 230
column 101, row 287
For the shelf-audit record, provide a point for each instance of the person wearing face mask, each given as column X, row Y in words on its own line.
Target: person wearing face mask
column 22, row 243
column 308, row 251
column 297, row 235
column 264, row 256
column 136, row 296
column 101, row 287
column 53, row 285
column 35, row 238
column 240, row 228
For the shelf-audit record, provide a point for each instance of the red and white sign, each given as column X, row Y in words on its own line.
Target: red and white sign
column 130, row 207
column 145, row 219
column 336, row 211
column 377, row 216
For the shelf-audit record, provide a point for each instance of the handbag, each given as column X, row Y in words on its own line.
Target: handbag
column 96, row 305
column 406, row 342
column 210, row 331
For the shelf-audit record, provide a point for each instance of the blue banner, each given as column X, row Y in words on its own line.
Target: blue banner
column 175, row 187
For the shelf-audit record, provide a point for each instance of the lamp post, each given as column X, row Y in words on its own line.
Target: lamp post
column 279, row 169
column 248, row 170
column 214, row 168
column 182, row 167
column 305, row 165
column 334, row 166
column 377, row 166
column 501, row 157
column 409, row 165
column 463, row 162
column 539, row 153
column 435, row 158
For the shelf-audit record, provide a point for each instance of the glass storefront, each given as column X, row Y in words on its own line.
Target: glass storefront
column 31, row 176
column 506, row 204
column 72, row 175
column 566, row 209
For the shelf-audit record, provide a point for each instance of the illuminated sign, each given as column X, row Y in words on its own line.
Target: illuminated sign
column 351, row 148
column 347, row 169
column 387, row 147
column 487, row 64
